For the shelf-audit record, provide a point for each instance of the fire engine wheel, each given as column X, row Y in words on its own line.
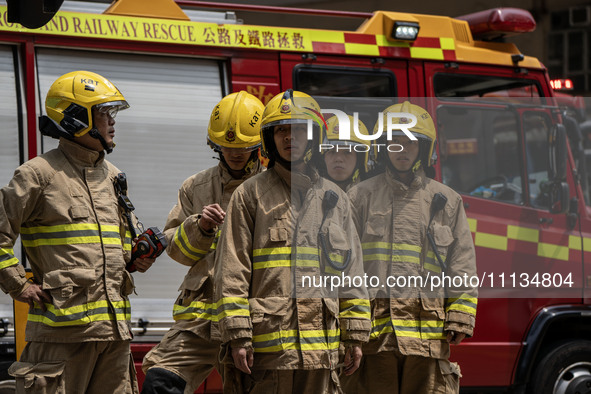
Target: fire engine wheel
column 7, row 387
column 566, row 369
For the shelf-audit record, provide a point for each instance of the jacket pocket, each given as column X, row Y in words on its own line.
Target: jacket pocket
column 376, row 224
column 267, row 314
column 69, row 287
column 450, row 376
column 434, row 307
column 443, row 236
column 278, row 234
column 127, row 285
column 43, row 377
column 332, row 312
column 79, row 212
column 195, row 278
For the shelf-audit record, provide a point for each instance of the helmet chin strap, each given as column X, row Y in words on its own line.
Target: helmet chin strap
column 414, row 168
column 248, row 167
column 94, row 133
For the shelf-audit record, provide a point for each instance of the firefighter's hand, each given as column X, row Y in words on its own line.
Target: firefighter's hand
column 34, row 294
column 143, row 264
column 212, row 215
column 455, row 337
column 352, row 359
column 243, row 359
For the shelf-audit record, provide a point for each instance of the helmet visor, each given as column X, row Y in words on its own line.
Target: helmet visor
column 237, row 151
column 112, row 107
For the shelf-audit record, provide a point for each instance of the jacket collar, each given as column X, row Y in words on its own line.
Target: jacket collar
column 227, row 177
column 297, row 180
column 80, row 155
column 397, row 185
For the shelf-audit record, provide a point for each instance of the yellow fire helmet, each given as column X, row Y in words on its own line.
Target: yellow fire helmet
column 424, row 129
column 291, row 107
column 235, row 122
column 71, row 98
column 358, row 145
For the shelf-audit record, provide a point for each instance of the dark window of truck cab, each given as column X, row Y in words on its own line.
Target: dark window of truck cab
column 344, row 82
column 348, row 89
column 490, row 86
column 480, row 152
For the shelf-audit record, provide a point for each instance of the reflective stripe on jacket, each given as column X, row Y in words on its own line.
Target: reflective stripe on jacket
column 64, row 206
column 392, row 219
column 260, row 257
column 195, row 309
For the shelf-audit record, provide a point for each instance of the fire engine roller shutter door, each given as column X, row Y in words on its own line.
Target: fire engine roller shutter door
column 161, row 141
column 9, row 143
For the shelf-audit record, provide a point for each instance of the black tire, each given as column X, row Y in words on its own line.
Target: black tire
column 7, row 387
column 566, row 369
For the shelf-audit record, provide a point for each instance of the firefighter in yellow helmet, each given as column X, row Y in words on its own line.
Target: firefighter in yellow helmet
column 283, row 225
column 64, row 205
column 189, row 351
column 345, row 162
column 421, row 231
column 74, row 102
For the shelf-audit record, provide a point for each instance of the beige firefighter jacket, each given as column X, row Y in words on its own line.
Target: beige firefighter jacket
column 194, row 309
column 268, row 247
column 392, row 219
column 64, row 206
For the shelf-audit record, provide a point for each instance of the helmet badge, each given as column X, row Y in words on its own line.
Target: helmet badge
column 230, row 135
column 285, row 109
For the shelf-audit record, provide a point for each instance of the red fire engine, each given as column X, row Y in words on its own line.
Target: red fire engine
column 524, row 192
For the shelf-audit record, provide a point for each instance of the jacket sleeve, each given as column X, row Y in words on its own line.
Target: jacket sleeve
column 233, row 270
column 460, row 305
column 187, row 242
column 355, row 312
column 17, row 202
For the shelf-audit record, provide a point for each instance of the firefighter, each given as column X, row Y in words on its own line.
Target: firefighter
column 189, row 351
column 396, row 212
column 278, row 335
column 64, row 205
column 345, row 162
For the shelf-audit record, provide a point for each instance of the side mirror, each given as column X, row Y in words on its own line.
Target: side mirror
column 557, row 153
column 32, row 13
column 559, row 197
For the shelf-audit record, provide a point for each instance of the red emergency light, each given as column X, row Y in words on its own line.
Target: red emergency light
column 499, row 22
column 562, row 84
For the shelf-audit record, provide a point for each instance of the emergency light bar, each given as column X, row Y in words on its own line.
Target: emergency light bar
column 499, row 22
column 562, row 84
column 407, row 31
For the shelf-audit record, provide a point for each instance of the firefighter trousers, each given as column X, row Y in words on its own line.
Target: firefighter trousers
column 272, row 381
column 185, row 354
column 83, row 367
column 392, row 373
